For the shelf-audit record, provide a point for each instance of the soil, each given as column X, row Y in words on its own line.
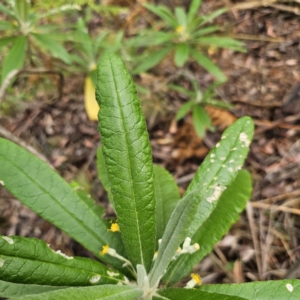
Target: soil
column 263, row 83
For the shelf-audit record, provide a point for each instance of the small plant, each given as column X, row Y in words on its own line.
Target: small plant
column 27, row 36
column 88, row 52
column 146, row 201
column 196, row 105
column 186, row 35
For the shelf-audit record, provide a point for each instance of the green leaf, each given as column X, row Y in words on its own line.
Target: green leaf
column 83, row 195
column 55, row 48
column 192, row 294
column 16, row 56
column 193, row 10
column 166, row 197
column 220, row 168
column 150, row 38
column 175, row 233
column 22, row 10
column 181, row 90
column 181, row 16
column 231, row 204
column 213, row 15
column 184, row 109
column 128, row 159
column 201, row 120
column 37, row 263
column 6, row 40
column 264, row 290
column 107, row 292
column 152, row 60
column 181, row 54
column 208, row 65
column 40, row 188
column 8, row 289
column 84, row 39
column 222, row 42
column 4, row 25
column 7, row 11
column 218, row 103
column 102, row 174
column 204, row 31
column 163, row 12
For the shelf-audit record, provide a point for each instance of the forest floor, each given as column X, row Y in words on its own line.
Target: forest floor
column 264, row 83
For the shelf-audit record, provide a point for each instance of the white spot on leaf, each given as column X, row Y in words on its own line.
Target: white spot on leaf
column 231, row 161
column 289, row 287
column 223, row 158
column 64, row 255
column 2, row 182
column 212, row 160
column 112, row 274
column 1, row 262
column 243, row 137
column 218, row 189
column 212, row 155
column 8, row 239
column 230, row 169
column 95, row 279
column 218, row 144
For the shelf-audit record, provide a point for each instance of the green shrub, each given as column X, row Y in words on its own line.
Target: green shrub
column 25, row 33
column 146, row 201
column 196, row 104
column 186, row 35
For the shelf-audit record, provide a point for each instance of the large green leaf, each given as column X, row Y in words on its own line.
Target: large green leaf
column 181, row 54
column 264, row 290
column 102, row 174
column 227, row 211
column 192, row 294
column 193, row 10
column 8, row 289
column 55, row 48
column 37, row 263
column 181, row 16
column 208, row 65
column 106, row 292
column 166, row 197
column 40, row 188
column 128, row 159
column 15, row 58
column 220, row 168
column 153, row 59
column 175, row 233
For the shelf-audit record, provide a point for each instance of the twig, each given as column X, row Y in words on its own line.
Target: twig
column 249, row 212
column 279, row 197
column 276, row 207
column 8, row 135
column 252, row 4
column 259, row 104
column 7, row 82
column 278, row 123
